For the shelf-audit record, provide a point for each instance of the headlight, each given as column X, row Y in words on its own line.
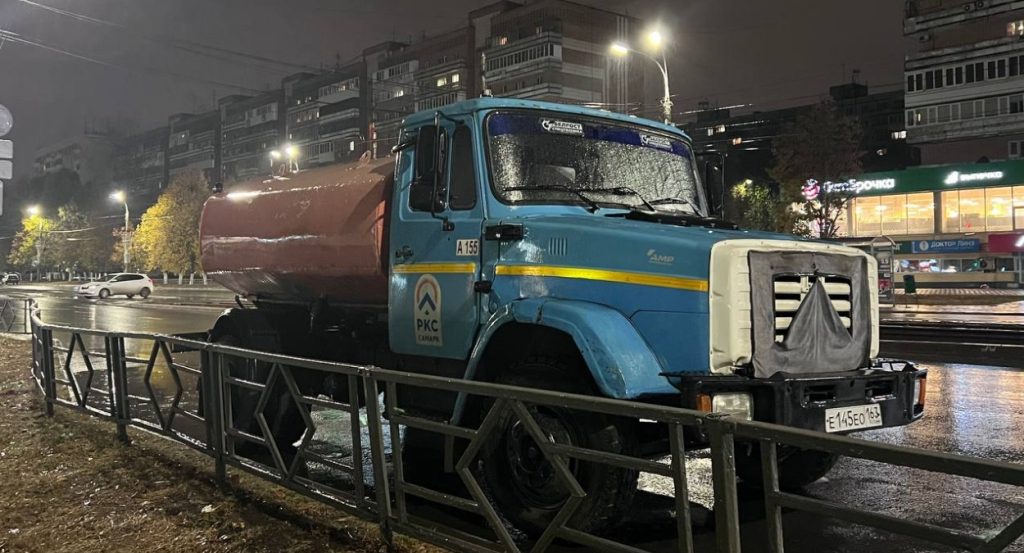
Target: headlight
column 737, row 404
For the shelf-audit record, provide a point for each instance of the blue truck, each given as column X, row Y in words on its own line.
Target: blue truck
column 563, row 248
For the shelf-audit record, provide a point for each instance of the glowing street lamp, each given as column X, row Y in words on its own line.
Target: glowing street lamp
column 121, row 197
column 655, row 41
column 33, row 210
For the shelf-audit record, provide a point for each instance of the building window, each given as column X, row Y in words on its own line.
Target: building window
column 899, row 135
column 442, row 81
column 896, row 215
column 1015, row 28
column 1013, row 148
column 455, row 78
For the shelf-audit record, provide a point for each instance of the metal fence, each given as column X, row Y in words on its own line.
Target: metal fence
column 149, row 382
column 14, row 315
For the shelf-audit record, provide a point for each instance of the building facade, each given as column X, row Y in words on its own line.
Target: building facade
column 141, row 165
column 965, row 79
column 89, row 154
column 194, row 143
column 956, row 224
column 250, row 128
column 325, row 115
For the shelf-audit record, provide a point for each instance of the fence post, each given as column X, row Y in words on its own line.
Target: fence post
column 213, row 383
column 723, row 476
column 49, row 379
column 374, row 423
column 119, row 388
column 773, row 512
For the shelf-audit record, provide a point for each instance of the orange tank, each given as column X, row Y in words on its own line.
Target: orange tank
column 317, row 234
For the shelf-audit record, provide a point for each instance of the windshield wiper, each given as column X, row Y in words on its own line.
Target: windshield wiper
column 676, row 200
column 592, row 206
column 625, row 190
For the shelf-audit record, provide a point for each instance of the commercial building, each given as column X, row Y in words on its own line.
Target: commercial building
column 965, row 79
column 194, row 143
column 955, row 225
column 250, row 127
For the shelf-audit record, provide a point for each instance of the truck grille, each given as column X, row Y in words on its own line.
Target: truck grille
column 790, row 291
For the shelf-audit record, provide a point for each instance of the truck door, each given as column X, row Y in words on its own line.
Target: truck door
column 435, row 238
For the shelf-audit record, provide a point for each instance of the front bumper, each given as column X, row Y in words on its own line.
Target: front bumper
column 800, row 401
column 91, row 293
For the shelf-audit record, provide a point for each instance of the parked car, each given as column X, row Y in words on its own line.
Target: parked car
column 10, row 279
column 126, row 284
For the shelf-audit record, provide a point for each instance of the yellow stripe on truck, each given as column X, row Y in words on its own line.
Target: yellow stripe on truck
column 436, row 268
column 623, row 277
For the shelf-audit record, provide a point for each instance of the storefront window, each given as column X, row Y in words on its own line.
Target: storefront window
column 1018, row 207
column 896, row 215
column 951, row 211
column 972, row 210
column 867, row 217
column 920, row 213
column 893, row 212
column 999, row 205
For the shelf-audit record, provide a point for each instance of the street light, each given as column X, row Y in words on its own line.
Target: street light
column 121, row 197
column 36, row 211
column 656, row 41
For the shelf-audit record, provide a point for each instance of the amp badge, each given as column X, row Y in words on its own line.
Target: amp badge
column 427, row 311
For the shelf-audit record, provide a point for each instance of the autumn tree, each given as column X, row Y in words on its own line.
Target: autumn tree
column 823, row 144
column 757, row 204
column 32, row 242
column 168, row 233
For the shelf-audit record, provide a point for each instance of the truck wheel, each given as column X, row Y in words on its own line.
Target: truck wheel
column 282, row 415
column 521, row 481
column 797, row 467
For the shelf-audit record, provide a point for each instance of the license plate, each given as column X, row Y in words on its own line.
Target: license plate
column 842, row 419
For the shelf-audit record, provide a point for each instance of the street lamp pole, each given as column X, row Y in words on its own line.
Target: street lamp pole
column 35, row 211
column 125, row 238
column 655, row 38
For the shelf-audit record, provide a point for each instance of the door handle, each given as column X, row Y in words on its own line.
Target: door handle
column 403, row 253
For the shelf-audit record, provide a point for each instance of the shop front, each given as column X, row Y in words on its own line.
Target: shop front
column 944, row 220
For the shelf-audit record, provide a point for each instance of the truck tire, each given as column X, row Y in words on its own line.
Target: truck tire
column 282, row 414
column 797, row 467
column 523, row 484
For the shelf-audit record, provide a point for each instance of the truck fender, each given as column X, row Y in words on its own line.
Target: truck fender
column 621, row 363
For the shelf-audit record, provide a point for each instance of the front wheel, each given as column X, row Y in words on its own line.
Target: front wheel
column 797, row 467
column 104, row 294
column 524, row 484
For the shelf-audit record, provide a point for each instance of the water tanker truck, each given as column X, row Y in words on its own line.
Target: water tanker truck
column 561, row 248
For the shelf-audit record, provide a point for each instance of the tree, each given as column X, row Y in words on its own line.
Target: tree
column 168, row 233
column 758, row 205
column 32, row 242
column 822, row 145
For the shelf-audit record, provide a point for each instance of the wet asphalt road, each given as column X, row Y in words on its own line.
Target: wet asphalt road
column 971, row 410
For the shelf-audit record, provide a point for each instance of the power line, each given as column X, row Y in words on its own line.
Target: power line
column 192, row 47
column 20, row 39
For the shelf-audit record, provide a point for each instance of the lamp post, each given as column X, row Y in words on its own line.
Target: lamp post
column 120, row 197
column 656, row 41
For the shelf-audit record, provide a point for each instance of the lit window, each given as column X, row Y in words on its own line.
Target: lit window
column 1015, row 28
column 899, row 135
column 442, row 81
column 455, row 78
column 502, row 40
column 400, row 92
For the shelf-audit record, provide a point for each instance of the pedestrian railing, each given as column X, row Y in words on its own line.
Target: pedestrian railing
column 183, row 389
column 14, row 315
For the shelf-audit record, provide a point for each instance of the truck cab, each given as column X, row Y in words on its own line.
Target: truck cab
column 567, row 248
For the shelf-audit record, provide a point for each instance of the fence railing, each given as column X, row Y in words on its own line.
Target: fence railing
column 151, row 382
column 15, row 315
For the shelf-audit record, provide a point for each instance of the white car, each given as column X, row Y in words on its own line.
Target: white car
column 126, row 284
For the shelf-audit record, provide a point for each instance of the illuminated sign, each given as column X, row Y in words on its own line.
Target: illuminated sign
column 1006, row 243
column 853, row 186
column 956, row 177
column 963, row 245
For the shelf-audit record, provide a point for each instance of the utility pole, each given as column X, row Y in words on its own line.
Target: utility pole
column 126, row 243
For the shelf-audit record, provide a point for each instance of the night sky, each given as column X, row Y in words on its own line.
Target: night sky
column 768, row 53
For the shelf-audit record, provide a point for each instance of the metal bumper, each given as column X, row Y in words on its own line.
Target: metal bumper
column 800, row 401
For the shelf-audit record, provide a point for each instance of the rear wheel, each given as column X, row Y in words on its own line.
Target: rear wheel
column 104, row 294
column 525, row 485
column 144, row 293
column 797, row 467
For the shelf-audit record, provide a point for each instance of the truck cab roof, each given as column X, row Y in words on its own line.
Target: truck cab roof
column 484, row 104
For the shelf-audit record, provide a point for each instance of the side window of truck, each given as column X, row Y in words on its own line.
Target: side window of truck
column 463, row 177
column 430, row 155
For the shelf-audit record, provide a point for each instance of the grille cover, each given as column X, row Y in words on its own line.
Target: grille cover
column 811, row 312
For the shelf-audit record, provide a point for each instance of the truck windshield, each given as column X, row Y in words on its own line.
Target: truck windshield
column 545, row 159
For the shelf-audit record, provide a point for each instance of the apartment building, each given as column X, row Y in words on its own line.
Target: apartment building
column 194, row 143
column 88, row 154
column 251, row 127
column 965, row 79
column 140, row 167
column 325, row 114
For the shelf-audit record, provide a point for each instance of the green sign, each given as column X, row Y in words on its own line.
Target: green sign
column 936, row 178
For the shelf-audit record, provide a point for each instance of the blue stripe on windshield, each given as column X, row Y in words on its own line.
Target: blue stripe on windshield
column 505, row 123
